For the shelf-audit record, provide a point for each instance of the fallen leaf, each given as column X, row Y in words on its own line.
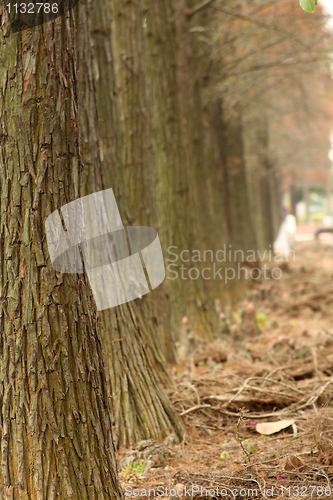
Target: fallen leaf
column 268, row 428
column 293, row 463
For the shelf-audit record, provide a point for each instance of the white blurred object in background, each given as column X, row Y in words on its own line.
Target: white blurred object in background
column 301, row 210
column 328, row 221
column 291, row 227
column 286, row 237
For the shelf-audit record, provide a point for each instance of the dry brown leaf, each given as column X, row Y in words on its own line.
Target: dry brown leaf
column 293, row 463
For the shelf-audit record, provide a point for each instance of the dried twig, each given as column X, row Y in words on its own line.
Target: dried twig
column 238, row 437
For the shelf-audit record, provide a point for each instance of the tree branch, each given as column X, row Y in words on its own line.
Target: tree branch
column 197, row 8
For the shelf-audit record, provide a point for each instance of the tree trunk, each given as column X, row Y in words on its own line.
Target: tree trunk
column 135, row 365
column 235, row 189
column 293, row 197
column 266, row 202
column 56, row 440
column 183, row 208
column 265, row 183
column 135, row 180
column 328, row 189
column 306, row 194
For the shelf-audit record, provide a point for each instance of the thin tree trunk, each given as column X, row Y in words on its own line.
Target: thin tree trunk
column 293, row 197
column 56, row 440
column 237, row 205
column 328, row 189
column 265, row 183
column 266, row 203
column 306, row 191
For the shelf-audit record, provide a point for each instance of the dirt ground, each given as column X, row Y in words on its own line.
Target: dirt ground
column 274, row 363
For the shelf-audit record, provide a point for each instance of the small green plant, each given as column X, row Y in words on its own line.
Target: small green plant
column 249, row 448
column 262, row 321
column 133, row 470
column 224, row 454
column 237, row 317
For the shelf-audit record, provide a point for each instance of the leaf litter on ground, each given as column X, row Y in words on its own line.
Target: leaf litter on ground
column 282, row 376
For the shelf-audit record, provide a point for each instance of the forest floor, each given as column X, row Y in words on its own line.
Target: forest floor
column 274, row 366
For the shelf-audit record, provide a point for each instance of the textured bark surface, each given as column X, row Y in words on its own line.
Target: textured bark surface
column 206, row 126
column 55, row 421
column 135, row 367
column 236, row 192
column 265, row 184
column 135, row 181
column 179, row 163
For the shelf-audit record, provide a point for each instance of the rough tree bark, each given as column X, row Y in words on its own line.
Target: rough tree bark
column 235, row 188
column 135, row 179
column 265, row 183
column 55, row 421
column 183, row 208
column 135, row 367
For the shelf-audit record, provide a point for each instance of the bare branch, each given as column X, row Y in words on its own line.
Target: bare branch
column 197, row 8
column 260, row 23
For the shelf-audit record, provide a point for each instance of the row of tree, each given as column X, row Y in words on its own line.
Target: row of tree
column 173, row 105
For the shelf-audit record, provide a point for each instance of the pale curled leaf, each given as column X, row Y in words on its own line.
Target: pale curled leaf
column 268, row 428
